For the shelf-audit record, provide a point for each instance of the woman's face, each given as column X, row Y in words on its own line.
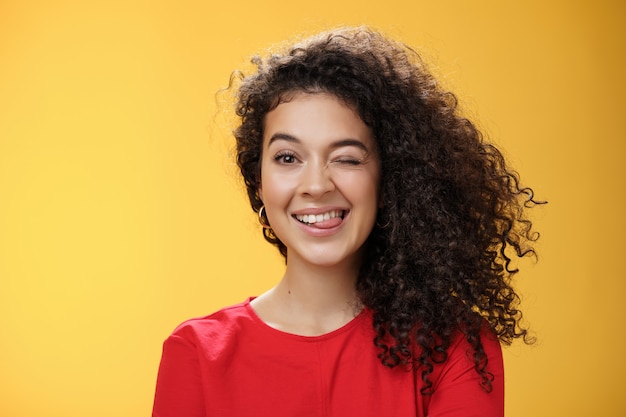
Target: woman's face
column 320, row 174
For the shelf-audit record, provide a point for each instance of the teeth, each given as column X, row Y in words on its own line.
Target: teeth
column 313, row 218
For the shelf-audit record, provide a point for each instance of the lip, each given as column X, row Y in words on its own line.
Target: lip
column 318, row 210
column 316, row 231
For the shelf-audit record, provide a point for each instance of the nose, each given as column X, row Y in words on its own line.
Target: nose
column 316, row 180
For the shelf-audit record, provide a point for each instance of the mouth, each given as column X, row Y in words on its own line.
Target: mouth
column 310, row 219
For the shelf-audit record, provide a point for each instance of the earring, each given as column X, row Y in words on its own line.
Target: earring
column 383, row 226
column 263, row 218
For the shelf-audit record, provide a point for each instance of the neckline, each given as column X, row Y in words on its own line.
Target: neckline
column 334, row 333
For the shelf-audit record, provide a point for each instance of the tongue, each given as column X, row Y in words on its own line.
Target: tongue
column 327, row 224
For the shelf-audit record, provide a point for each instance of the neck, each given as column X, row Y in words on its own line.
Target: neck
column 311, row 300
column 318, row 290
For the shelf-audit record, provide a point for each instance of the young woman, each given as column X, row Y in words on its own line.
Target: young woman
column 396, row 221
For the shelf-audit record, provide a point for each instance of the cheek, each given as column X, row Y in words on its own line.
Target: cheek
column 361, row 187
column 276, row 189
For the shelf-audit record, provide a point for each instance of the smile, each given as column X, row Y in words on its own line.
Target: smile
column 317, row 218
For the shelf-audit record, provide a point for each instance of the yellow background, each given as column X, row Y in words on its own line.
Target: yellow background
column 121, row 214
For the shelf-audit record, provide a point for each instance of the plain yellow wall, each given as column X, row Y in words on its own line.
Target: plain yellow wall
column 121, row 215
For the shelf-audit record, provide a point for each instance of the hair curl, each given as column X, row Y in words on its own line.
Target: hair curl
column 452, row 212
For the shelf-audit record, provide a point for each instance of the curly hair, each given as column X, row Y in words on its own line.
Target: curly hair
column 451, row 216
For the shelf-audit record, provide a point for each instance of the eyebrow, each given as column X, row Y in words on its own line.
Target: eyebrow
column 337, row 144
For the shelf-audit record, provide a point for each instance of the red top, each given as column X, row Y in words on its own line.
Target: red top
column 232, row 364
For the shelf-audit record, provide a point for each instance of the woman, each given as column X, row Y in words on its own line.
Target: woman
column 395, row 220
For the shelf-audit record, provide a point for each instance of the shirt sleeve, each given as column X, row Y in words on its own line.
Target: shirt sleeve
column 179, row 386
column 457, row 389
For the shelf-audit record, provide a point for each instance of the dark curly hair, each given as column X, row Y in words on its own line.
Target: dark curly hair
column 451, row 213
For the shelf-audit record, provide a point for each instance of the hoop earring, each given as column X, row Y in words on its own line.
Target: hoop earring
column 383, row 226
column 263, row 218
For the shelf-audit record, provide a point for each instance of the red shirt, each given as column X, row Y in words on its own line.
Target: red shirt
column 232, row 364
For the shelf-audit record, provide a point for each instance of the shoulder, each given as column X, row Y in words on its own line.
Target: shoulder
column 460, row 346
column 224, row 322
column 461, row 355
column 457, row 385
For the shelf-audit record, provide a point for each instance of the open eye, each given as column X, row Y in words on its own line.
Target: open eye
column 285, row 157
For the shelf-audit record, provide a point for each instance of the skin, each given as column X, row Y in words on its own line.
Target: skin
column 319, row 159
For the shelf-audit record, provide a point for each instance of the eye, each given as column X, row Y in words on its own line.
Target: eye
column 349, row 161
column 285, row 157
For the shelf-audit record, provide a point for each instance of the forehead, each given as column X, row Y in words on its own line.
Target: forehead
column 317, row 117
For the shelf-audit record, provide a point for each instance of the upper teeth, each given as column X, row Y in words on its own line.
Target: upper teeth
column 314, row 218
